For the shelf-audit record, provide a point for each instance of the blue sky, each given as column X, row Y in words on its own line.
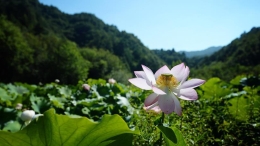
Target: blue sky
column 183, row 25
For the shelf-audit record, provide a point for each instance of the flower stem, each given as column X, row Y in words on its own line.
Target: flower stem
column 161, row 124
column 162, row 118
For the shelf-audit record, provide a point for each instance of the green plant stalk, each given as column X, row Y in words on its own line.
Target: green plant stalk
column 22, row 126
column 161, row 124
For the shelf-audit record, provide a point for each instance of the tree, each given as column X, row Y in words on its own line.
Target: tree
column 16, row 55
column 59, row 59
column 105, row 64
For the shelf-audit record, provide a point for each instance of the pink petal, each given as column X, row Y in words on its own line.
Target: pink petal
column 151, row 99
column 152, row 106
column 140, row 83
column 158, row 91
column 162, row 70
column 166, row 103
column 177, row 71
column 156, row 109
column 140, row 74
column 176, row 92
column 192, row 83
column 149, row 74
column 188, row 94
column 177, row 108
column 185, row 74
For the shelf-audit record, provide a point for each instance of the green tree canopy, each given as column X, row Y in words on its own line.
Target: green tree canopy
column 16, row 55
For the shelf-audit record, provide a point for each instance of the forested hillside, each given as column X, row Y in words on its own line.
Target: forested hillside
column 241, row 56
column 170, row 57
column 40, row 43
column 244, row 50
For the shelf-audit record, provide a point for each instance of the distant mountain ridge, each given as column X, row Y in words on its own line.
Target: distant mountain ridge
column 202, row 53
column 244, row 50
column 240, row 56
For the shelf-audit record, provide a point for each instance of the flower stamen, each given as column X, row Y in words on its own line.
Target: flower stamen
column 166, row 80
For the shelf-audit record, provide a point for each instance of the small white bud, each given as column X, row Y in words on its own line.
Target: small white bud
column 86, row 87
column 111, row 81
column 18, row 106
column 27, row 115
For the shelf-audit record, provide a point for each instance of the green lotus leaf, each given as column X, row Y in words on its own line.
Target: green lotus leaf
column 215, row 88
column 54, row 130
column 172, row 136
column 239, row 108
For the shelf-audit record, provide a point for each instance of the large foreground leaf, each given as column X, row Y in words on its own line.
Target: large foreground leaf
column 55, row 130
column 172, row 136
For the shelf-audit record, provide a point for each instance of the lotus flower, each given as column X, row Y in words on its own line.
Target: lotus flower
column 28, row 115
column 111, row 81
column 57, row 80
column 167, row 85
column 86, row 87
column 18, row 106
